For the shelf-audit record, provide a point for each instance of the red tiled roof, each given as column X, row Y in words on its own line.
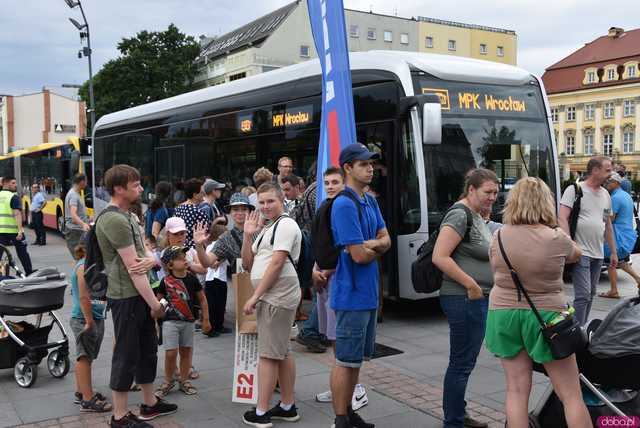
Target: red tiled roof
column 568, row 74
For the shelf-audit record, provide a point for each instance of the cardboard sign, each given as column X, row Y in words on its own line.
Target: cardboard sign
column 245, row 370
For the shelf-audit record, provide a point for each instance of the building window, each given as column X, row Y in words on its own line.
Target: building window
column 571, row 145
column 554, row 115
column 607, row 144
column 611, row 74
column 589, row 111
column 608, row 110
column 631, row 71
column 237, row 76
column 483, row 48
column 591, row 77
column 353, row 31
column 571, row 113
column 304, row 51
column 371, row 33
column 588, row 143
column 429, row 42
column 404, row 38
column 627, row 141
column 500, row 51
column 388, row 36
column 452, row 45
column 629, row 108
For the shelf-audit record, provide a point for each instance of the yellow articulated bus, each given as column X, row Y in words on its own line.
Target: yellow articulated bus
column 52, row 166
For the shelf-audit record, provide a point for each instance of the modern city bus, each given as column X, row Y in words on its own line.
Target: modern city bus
column 52, row 166
column 485, row 114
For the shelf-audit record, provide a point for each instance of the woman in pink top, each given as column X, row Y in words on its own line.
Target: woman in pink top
column 538, row 250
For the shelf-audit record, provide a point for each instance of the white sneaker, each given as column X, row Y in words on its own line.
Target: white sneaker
column 294, row 332
column 359, row 399
column 324, row 397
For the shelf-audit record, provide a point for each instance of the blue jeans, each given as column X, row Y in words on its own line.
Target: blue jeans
column 467, row 319
column 586, row 275
column 310, row 326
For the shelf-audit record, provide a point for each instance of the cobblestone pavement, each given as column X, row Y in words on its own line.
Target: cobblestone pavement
column 405, row 390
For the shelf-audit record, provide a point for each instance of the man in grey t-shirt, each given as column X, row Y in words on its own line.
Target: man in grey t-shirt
column 594, row 225
column 76, row 221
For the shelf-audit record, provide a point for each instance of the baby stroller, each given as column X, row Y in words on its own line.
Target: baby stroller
column 608, row 370
column 23, row 345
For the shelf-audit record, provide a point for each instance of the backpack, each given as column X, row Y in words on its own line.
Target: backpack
column 425, row 276
column 573, row 225
column 273, row 238
column 324, row 249
column 575, row 210
column 94, row 268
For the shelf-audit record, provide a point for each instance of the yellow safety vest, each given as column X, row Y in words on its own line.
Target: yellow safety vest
column 7, row 220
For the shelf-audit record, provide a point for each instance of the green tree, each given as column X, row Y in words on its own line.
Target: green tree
column 151, row 66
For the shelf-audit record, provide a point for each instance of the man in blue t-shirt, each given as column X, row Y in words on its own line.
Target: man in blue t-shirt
column 622, row 220
column 361, row 233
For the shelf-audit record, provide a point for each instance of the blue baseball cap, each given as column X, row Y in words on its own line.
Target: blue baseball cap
column 357, row 151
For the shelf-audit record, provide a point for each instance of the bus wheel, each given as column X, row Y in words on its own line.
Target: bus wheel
column 59, row 221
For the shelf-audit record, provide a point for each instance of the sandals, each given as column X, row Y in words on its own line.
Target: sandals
column 95, row 405
column 165, row 389
column 193, row 373
column 187, row 388
column 609, row 295
column 77, row 397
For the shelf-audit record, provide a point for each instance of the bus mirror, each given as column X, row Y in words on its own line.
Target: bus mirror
column 432, row 123
column 74, row 163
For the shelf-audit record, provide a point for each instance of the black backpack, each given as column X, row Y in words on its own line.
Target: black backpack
column 573, row 226
column 575, row 210
column 425, row 276
column 324, row 250
column 94, row 269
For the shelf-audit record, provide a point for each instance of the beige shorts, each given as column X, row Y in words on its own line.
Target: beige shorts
column 274, row 328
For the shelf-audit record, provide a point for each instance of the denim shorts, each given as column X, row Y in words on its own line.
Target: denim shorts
column 355, row 337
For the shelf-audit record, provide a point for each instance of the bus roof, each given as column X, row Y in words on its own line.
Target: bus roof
column 41, row 147
column 446, row 67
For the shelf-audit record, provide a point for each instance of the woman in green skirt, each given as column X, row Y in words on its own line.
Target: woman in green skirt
column 538, row 251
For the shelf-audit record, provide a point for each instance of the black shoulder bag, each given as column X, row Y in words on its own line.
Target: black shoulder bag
column 565, row 337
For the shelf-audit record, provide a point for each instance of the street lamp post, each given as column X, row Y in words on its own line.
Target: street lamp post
column 86, row 51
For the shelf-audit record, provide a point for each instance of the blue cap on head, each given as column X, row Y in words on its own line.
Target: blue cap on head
column 357, row 151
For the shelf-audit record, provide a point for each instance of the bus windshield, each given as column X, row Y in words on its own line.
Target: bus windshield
column 502, row 128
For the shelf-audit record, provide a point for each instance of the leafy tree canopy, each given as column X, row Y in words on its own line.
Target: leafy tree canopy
column 151, row 66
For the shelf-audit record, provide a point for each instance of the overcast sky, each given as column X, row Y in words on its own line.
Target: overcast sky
column 38, row 45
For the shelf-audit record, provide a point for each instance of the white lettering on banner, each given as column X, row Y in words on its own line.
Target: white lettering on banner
column 330, row 91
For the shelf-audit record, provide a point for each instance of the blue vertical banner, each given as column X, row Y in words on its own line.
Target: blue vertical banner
column 337, row 128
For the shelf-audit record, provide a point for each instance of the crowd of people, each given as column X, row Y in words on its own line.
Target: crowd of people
column 168, row 269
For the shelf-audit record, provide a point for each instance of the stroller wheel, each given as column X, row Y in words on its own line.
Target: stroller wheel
column 58, row 364
column 25, row 373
